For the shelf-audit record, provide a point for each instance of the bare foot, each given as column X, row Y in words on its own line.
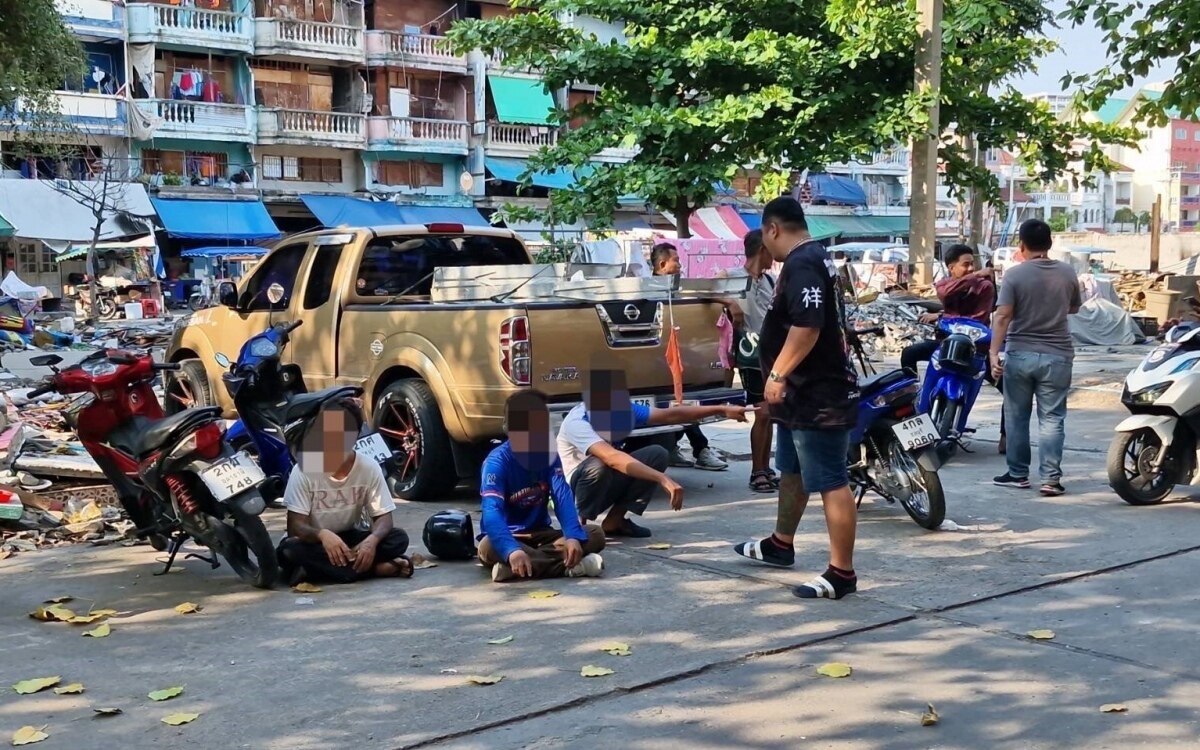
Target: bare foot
column 401, row 567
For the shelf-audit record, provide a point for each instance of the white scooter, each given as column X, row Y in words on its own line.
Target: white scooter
column 1157, row 447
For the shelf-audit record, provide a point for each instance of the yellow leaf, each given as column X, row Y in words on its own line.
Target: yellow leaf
column 616, row 648
column 658, row 545
column 1041, row 635
column 52, row 613
column 85, row 619
column 164, row 694
column 41, row 614
column 102, row 612
column 25, row 687
column 834, row 669
column 301, row 588
column 594, row 671
column 188, row 608
column 28, row 736
column 1114, row 708
column 420, row 562
column 930, row 717
column 180, row 718
column 74, row 687
column 542, row 594
column 59, row 600
column 501, row 641
column 100, row 631
column 107, row 711
column 490, row 679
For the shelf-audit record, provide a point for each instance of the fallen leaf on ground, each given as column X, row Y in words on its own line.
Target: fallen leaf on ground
column 74, row 687
column 592, row 670
column 930, row 717
column 100, row 631
column 658, row 545
column 86, row 619
column 501, row 641
column 28, row 735
column 421, row 562
column 106, row 711
column 164, row 694
column 180, row 718
column 102, row 612
column 835, row 669
column 1114, row 708
column 1041, row 635
column 490, row 679
column 542, row 594
column 25, row 687
column 301, row 588
column 43, row 615
column 52, row 613
column 59, row 600
column 616, row 648
column 188, row 608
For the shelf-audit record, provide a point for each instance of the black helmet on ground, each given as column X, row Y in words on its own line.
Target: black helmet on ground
column 450, row 535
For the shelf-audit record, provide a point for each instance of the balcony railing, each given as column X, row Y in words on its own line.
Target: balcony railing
column 189, row 26
column 305, row 127
column 896, row 157
column 520, row 137
column 417, row 49
column 176, row 117
column 1051, row 198
column 1123, row 201
column 416, row 131
column 282, row 36
column 1190, row 200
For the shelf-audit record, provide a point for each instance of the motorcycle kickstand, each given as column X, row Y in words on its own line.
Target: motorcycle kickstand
column 175, row 545
column 862, row 493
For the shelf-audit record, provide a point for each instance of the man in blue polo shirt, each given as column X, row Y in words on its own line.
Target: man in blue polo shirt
column 520, row 478
column 601, row 475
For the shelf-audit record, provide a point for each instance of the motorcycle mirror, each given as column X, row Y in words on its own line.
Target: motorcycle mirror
column 222, row 360
column 45, row 360
column 275, row 293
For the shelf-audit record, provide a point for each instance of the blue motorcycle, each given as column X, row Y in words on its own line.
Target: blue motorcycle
column 274, row 408
column 955, row 374
column 893, row 448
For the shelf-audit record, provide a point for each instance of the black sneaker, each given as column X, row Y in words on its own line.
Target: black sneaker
column 1052, row 488
column 1008, row 480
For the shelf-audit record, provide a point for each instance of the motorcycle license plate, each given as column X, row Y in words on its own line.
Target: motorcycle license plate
column 917, row 432
column 374, row 447
column 227, row 478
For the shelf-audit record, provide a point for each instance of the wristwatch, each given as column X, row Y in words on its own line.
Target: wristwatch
column 775, row 377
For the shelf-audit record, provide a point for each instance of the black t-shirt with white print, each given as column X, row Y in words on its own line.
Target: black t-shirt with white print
column 822, row 392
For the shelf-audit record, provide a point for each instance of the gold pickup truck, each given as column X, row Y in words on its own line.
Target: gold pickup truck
column 436, row 374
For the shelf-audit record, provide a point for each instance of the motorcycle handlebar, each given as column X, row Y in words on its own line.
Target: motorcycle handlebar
column 40, row 390
column 288, row 328
column 159, row 366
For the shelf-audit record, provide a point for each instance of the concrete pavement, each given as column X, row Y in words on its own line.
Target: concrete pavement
column 723, row 655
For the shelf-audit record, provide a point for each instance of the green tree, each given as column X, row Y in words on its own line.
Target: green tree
column 1058, row 222
column 703, row 87
column 1144, row 219
column 1125, row 215
column 37, row 54
column 1141, row 35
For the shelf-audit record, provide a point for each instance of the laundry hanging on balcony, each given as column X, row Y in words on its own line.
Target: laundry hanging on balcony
column 142, row 124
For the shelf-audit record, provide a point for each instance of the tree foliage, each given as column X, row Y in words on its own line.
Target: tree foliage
column 37, row 54
column 1125, row 215
column 703, row 87
column 1140, row 35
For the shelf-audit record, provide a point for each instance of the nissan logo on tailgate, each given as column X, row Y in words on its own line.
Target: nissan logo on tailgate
column 632, row 312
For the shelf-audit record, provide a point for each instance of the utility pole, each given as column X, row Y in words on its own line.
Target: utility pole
column 1155, row 232
column 927, row 78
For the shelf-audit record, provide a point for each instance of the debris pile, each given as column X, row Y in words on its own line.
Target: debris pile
column 897, row 315
column 1131, row 287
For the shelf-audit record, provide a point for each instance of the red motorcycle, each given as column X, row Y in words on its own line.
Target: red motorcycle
column 176, row 476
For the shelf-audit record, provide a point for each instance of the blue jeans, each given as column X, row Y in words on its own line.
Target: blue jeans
column 1048, row 377
column 818, row 456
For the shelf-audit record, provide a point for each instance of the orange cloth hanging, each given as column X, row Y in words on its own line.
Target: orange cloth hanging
column 675, row 363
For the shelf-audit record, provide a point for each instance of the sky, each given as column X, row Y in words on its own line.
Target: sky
column 1082, row 50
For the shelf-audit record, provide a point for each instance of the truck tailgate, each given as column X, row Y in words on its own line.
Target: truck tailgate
column 569, row 339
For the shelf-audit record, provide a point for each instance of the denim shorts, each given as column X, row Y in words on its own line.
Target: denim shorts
column 818, row 456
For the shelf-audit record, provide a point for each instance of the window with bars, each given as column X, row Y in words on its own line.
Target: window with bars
column 195, row 164
column 409, row 173
column 301, row 168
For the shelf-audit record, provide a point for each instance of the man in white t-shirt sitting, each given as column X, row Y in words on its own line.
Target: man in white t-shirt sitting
column 331, row 496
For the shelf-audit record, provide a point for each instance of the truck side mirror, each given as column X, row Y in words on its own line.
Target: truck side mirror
column 227, row 294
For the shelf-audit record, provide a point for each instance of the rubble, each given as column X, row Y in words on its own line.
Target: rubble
column 897, row 314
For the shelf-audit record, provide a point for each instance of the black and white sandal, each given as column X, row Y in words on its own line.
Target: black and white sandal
column 822, row 587
column 766, row 552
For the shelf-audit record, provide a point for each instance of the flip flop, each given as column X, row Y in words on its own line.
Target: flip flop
column 404, row 566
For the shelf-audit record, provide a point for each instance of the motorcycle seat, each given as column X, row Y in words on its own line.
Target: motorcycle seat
column 878, row 383
column 306, row 405
column 143, row 436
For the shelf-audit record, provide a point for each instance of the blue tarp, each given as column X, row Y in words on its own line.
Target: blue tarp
column 223, row 252
column 215, row 220
column 339, row 210
column 510, row 170
column 468, row 217
column 833, row 189
column 753, row 219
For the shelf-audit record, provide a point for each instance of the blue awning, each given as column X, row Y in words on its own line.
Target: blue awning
column 215, row 220
column 224, row 252
column 753, row 219
column 468, row 217
column 344, row 210
column 510, row 170
column 839, row 190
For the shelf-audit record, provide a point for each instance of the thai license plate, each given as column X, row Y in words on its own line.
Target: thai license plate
column 917, row 432
column 644, row 401
column 227, row 478
column 373, row 446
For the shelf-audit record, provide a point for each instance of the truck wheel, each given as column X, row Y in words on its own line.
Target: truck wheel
column 422, row 465
column 187, row 387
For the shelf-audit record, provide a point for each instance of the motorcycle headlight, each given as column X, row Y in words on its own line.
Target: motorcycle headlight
column 264, row 348
column 1150, row 395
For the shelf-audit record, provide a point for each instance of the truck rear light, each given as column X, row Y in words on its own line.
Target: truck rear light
column 515, row 351
column 444, row 228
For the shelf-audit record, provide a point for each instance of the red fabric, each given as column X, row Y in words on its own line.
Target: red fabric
column 211, row 91
column 733, row 220
column 969, row 297
column 675, row 363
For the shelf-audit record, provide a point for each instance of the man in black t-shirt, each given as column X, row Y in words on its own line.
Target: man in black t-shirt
column 812, row 395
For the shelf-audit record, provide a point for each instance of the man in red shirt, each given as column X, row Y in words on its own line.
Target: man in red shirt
column 965, row 293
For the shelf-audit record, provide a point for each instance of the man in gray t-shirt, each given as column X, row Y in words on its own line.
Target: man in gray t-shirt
column 1032, row 348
